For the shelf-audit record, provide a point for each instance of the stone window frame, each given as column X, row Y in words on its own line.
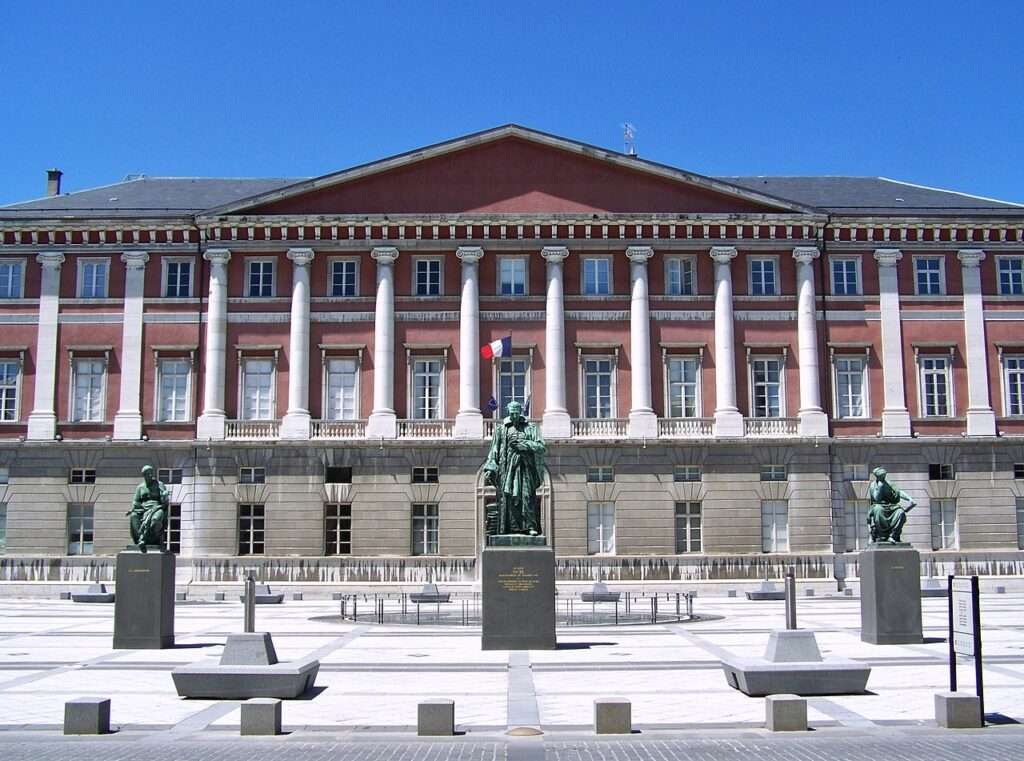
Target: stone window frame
column 251, row 518
column 426, row 354
column 835, row 355
column 254, row 471
column 168, row 477
column 15, row 354
column 688, row 515
column 774, row 259
column 668, row 354
column 333, row 260
column 859, row 274
column 1006, row 354
column 526, row 275
column 251, row 260
column 329, row 352
column 938, row 518
column 414, row 290
column 999, row 259
column 692, row 259
column 80, row 264
column 597, row 353
column 172, row 532
column 88, row 353
column 754, row 354
column 924, row 354
column 252, row 353
column 88, row 515
column 916, row 259
column 165, row 263
column 164, row 353
column 584, row 258
column 430, row 514
column 687, row 474
column 602, row 542
column 517, row 354
column 341, row 519
column 22, row 263
column 769, row 540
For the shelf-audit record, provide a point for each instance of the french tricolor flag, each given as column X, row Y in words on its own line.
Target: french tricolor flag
column 500, row 348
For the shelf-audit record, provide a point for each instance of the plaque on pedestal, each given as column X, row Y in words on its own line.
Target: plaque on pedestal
column 518, row 598
column 890, row 594
column 144, row 608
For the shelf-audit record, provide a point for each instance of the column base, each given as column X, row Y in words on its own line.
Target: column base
column 127, row 426
column 469, row 425
column 728, row 423
column 643, row 424
column 813, row 423
column 382, row 425
column 981, row 422
column 42, row 426
column 556, row 425
column 895, row 423
column 211, row 426
column 296, row 426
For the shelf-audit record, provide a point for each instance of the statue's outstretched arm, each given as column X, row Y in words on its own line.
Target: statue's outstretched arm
column 912, row 504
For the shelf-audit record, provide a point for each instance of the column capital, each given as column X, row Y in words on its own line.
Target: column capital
column 135, row 260
column 217, row 255
column 52, row 259
column 806, row 254
column 887, row 257
column 639, row 254
column 469, row 254
column 723, row 254
column 970, row 257
column 555, row 254
column 301, row 256
column 384, row 254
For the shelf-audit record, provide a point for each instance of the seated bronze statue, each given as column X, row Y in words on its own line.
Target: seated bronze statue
column 150, row 509
column 887, row 517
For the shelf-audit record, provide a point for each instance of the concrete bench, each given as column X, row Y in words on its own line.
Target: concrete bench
column 264, row 596
column 785, row 713
column 600, row 593
column 613, row 716
column 94, row 593
column 430, row 594
column 767, row 591
column 435, row 718
column 87, row 716
column 261, row 716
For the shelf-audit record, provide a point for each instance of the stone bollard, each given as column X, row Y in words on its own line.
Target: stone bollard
column 87, row 716
column 261, row 716
column 957, row 710
column 731, row 593
column 65, row 595
column 219, row 596
column 808, row 593
column 297, row 596
column 613, row 716
column 180, row 596
column 785, row 713
column 435, row 718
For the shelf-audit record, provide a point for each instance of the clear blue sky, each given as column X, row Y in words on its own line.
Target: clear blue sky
column 929, row 92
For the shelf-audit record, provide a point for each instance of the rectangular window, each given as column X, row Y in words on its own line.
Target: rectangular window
column 688, row 527
column 3, row 527
column 1020, row 523
column 846, row 277
column 597, row 388
column 511, row 276
column 1018, row 470
column 337, row 474
column 775, row 525
column 10, row 375
column 342, row 375
column 767, row 387
column 174, row 375
column 940, row 472
column 251, row 529
column 1011, row 276
column 683, row 374
column 80, row 529
column 679, row 276
column 944, row 534
column 88, row 382
column 512, row 382
column 427, row 376
column 252, row 475
column 935, row 382
column 850, row 386
column 856, row 472
column 1013, row 369
column 92, row 278
column 601, row 528
column 337, row 529
column 763, row 279
column 343, row 277
column 178, row 279
column 686, row 473
column 856, row 524
column 424, row 529
column 82, row 476
column 10, row 279
column 169, row 476
column 428, row 277
column 172, row 532
column 257, row 389
column 928, row 275
column 260, row 278
column 773, row 472
column 597, row 276
column 600, row 474
column 424, row 475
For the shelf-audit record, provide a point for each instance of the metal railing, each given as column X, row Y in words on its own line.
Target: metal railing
column 600, row 428
column 339, row 429
column 772, row 426
column 425, row 429
column 252, row 429
column 685, row 428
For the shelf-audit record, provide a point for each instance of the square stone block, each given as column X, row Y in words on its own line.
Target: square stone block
column 435, row 718
column 219, row 596
column 957, row 710
column 261, row 716
column 890, row 595
column 297, row 596
column 785, row 713
column 518, row 598
column 87, row 716
column 613, row 716
column 144, row 608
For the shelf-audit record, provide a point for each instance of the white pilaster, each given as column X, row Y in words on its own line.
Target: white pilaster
column 211, row 424
column 813, row 421
column 556, row 423
column 296, row 422
column 469, row 422
column 128, row 420
column 42, row 421
column 728, row 420
column 895, row 417
column 643, row 423
column 981, row 419
column 383, row 424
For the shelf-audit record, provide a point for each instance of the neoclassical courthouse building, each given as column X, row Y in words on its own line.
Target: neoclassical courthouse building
column 715, row 363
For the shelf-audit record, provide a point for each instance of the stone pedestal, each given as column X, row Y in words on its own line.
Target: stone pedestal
column 890, row 594
column 144, row 608
column 518, row 598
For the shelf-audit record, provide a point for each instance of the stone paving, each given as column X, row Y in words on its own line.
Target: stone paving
column 373, row 676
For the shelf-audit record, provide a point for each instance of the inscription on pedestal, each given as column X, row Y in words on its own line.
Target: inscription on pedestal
column 144, row 608
column 518, row 605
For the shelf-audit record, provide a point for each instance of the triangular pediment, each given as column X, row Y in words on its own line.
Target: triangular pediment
column 510, row 170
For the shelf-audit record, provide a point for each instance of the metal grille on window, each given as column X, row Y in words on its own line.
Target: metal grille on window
column 426, row 389
column 597, row 381
column 174, row 377
column 682, row 387
column 341, row 388
column 87, row 404
column 688, row 527
column 80, row 529
column 257, row 389
column 9, row 372
column 424, row 529
column 775, row 525
column 251, row 529
column 943, row 513
column 337, row 529
column 343, row 278
column 511, row 383
column 601, row 528
column 767, row 387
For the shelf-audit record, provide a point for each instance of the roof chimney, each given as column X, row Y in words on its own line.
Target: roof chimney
column 53, row 182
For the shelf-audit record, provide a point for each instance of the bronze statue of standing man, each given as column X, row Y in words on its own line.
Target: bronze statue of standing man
column 515, row 467
column 150, row 509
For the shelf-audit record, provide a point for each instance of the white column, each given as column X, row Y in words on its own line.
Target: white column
column 895, row 417
column 728, row 420
column 296, row 423
column 643, row 423
column 813, row 421
column 42, row 421
column 211, row 423
column 556, row 423
column 383, row 423
column 128, row 420
column 981, row 420
column 469, row 422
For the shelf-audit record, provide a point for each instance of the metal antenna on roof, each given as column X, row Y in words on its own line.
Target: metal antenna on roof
column 628, row 139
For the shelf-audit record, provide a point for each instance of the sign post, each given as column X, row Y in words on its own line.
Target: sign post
column 965, row 631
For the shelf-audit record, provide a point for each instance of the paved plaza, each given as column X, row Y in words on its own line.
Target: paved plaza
column 372, row 677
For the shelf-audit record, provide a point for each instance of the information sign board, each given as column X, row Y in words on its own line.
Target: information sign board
column 963, row 616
